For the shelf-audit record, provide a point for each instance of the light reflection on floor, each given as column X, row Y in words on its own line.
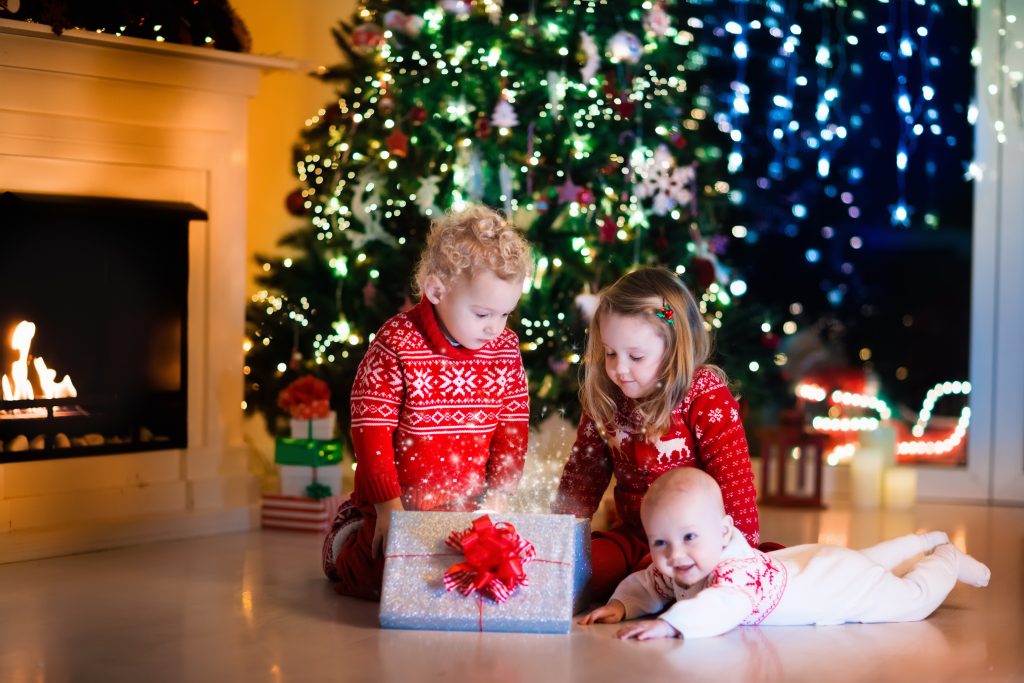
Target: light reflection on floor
column 253, row 607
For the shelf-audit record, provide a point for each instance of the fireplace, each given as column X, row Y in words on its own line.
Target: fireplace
column 95, row 115
column 94, row 316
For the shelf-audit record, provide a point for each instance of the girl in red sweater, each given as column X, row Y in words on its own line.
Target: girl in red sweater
column 439, row 404
column 651, row 403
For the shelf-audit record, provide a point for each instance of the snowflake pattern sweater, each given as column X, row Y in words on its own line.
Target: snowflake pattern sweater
column 437, row 424
column 706, row 432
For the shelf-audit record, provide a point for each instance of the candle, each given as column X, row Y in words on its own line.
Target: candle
column 866, row 478
column 882, row 440
column 900, row 488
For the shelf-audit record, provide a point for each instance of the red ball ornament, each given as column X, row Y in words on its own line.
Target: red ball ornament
column 770, row 341
column 678, row 141
column 609, row 231
column 366, row 38
column 703, row 272
column 418, row 115
column 585, row 196
column 295, row 202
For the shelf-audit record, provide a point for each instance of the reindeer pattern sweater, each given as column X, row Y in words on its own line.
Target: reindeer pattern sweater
column 706, row 432
column 434, row 423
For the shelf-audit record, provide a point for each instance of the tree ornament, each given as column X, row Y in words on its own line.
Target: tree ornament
column 398, row 143
column 703, row 272
column 588, row 56
column 366, row 211
column 587, row 301
column 459, row 8
column 504, row 116
column 418, row 115
column 585, row 197
column 295, row 202
column 609, row 232
column 658, row 177
column 386, row 103
column 369, row 293
column 657, row 21
column 409, row 24
column 366, row 38
column 558, row 365
column 567, row 191
column 482, row 127
column 426, row 196
column 624, row 47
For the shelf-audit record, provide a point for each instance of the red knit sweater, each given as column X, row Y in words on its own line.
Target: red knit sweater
column 434, row 423
column 706, row 432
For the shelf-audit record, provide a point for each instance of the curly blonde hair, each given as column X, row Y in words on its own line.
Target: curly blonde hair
column 643, row 293
column 461, row 243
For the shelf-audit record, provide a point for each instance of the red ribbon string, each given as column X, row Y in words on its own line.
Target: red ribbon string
column 494, row 558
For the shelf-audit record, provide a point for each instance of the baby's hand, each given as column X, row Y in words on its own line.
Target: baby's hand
column 646, row 630
column 612, row 613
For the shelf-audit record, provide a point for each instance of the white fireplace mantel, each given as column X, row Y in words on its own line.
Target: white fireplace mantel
column 96, row 115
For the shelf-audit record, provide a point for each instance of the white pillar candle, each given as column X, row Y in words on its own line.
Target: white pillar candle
column 900, row 488
column 866, row 478
column 883, row 440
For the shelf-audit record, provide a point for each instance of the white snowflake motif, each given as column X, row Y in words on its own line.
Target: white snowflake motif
column 734, row 415
column 497, row 380
column 420, row 384
column 458, row 381
column 715, row 415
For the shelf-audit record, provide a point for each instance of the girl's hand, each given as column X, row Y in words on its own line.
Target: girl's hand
column 646, row 630
column 380, row 529
column 612, row 613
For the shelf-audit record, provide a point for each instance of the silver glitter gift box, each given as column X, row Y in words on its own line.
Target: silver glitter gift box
column 414, row 596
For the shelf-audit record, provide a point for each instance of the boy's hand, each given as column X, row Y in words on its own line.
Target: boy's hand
column 646, row 630
column 380, row 529
column 612, row 613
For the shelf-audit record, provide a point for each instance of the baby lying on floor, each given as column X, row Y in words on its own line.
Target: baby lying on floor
column 714, row 581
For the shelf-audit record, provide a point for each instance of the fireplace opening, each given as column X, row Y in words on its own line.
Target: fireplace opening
column 93, row 325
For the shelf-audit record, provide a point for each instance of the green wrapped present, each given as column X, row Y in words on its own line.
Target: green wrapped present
column 307, row 452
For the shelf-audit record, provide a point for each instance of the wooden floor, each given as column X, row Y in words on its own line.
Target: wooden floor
column 254, row 607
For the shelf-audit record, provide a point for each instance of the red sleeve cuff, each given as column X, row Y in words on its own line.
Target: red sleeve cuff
column 379, row 489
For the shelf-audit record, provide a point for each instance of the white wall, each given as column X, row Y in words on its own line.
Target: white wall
column 995, row 468
column 299, row 30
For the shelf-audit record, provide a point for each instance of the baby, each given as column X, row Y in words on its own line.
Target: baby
column 712, row 580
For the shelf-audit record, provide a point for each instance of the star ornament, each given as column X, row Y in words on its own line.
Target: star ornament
column 398, row 143
column 568, row 191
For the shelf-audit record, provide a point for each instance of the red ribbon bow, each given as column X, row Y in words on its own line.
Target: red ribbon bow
column 495, row 555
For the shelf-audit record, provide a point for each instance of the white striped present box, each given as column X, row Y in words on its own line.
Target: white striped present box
column 297, row 513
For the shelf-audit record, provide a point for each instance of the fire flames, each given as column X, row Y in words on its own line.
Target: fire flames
column 18, row 387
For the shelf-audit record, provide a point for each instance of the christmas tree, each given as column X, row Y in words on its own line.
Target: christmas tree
column 586, row 124
column 743, row 145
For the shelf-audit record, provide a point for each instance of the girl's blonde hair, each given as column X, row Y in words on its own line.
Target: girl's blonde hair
column 645, row 293
column 461, row 243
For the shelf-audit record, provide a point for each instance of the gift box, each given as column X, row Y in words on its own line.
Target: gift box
column 298, row 513
column 296, row 479
column 313, row 428
column 307, row 452
column 419, row 555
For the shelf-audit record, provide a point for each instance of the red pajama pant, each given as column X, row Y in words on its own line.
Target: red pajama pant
column 615, row 554
column 360, row 574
